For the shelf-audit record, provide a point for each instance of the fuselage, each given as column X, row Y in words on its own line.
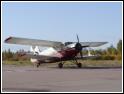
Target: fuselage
column 64, row 54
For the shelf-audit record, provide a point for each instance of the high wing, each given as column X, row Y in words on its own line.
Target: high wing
column 33, row 42
column 46, row 43
column 86, row 44
column 92, row 44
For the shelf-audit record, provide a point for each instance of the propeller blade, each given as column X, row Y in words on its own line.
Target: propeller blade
column 77, row 38
column 79, row 46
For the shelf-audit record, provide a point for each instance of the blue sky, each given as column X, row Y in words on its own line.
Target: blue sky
column 92, row 21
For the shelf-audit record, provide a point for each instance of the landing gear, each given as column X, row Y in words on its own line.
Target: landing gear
column 79, row 65
column 60, row 65
column 38, row 64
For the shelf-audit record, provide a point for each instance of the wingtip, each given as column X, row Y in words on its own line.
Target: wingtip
column 6, row 40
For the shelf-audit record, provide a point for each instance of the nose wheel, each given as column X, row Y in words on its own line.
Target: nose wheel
column 79, row 65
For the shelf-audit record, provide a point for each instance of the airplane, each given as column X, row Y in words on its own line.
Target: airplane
column 56, row 51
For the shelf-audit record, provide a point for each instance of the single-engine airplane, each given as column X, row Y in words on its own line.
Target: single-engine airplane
column 57, row 51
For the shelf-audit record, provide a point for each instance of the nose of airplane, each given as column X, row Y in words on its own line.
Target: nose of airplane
column 78, row 46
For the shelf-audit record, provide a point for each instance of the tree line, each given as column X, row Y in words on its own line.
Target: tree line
column 110, row 53
column 14, row 56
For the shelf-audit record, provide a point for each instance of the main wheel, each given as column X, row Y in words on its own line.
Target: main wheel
column 79, row 65
column 37, row 65
column 60, row 65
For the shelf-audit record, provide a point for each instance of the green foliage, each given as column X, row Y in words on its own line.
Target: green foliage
column 111, row 50
column 119, row 47
column 8, row 55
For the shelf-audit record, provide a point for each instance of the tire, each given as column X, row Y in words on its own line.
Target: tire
column 60, row 65
column 79, row 65
column 38, row 64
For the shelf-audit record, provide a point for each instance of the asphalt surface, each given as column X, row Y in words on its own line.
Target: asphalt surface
column 53, row 79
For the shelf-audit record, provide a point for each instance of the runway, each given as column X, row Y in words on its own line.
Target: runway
column 52, row 79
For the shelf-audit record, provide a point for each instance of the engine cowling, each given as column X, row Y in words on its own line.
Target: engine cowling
column 78, row 47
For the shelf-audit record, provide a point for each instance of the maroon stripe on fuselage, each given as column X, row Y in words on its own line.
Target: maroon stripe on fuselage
column 68, row 53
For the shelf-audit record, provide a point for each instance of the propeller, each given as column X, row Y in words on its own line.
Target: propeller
column 77, row 38
column 79, row 47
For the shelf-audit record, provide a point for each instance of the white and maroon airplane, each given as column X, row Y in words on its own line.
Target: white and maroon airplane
column 57, row 51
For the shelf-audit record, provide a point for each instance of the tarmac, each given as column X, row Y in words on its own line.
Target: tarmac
column 53, row 79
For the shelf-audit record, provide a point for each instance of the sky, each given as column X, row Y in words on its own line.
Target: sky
column 61, row 21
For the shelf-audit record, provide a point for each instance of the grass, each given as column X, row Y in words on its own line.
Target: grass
column 85, row 63
column 96, row 63
column 102, row 63
column 17, row 63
